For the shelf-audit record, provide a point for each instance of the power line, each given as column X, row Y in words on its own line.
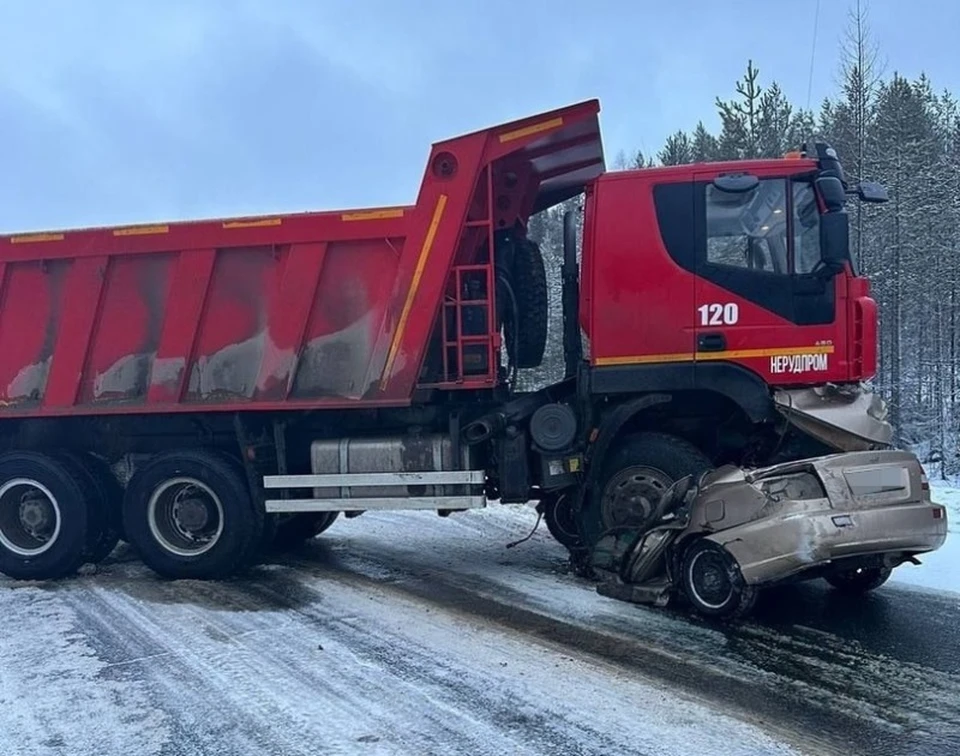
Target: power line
column 813, row 52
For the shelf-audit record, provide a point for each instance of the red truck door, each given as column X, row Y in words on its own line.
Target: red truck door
column 761, row 299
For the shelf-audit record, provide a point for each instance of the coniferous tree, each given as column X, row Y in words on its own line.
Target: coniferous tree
column 703, row 145
column 677, row 150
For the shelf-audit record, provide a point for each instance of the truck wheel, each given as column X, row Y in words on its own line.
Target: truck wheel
column 634, row 477
column 301, row 527
column 525, row 329
column 190, row 515
column 111, row 493
column 561, row 521
column 859, row 580
column 43, row 517
column 104, row 498
column 712, row 582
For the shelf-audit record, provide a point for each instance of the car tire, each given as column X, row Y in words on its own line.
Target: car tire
column 712, row 582
column 43, row 517
column 642, row 468
column 189, row 514
column 859, row 581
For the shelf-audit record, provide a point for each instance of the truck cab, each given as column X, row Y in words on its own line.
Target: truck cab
column 732, row 279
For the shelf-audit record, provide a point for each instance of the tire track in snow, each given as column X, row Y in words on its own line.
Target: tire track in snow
column 237, row 667
column 835, row 690
column 55, row 694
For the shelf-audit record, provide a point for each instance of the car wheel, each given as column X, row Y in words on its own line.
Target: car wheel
column 859, row 580
column 561, row 521
column 43, row 517
column 712, row 581
column 189, row 514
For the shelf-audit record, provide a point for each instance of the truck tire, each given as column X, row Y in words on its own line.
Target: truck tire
column 633, row 478
column 712, row 582
column 525, row 311
column 105, row 497
column 561, row 521
column 111, row 493
column 302, row 527
column 43, row 517
column 190, row 515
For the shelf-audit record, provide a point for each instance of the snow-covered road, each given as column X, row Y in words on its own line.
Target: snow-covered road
column 408, row 633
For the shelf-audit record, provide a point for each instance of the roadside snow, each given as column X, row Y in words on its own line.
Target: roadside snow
column 303, row 661
column 940, row 570
column 55, row 693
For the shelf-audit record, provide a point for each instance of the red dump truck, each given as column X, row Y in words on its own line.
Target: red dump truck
column 207, row 389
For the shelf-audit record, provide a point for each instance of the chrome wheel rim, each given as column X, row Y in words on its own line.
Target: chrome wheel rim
column 185, row 516
column 30, row 519
column 709, row 578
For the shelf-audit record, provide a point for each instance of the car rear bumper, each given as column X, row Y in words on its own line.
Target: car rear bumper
column 777, row 548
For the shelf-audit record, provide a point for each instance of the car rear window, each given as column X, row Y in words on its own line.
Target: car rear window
column 877, row 480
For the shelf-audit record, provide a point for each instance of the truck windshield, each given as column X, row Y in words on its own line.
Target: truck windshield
column 774, row 228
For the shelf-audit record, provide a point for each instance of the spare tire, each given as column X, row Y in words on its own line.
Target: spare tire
column 522, row 294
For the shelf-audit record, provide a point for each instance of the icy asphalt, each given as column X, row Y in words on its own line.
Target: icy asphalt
column 413, row 634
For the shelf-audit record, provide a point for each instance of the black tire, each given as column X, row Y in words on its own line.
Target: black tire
column 219, row 532
column 526, row 337
column 858, row 581
column 712, row 582
column 55, row 545
column 561, row 521
column 104, row 501
column 655, row 461
column 302, row 527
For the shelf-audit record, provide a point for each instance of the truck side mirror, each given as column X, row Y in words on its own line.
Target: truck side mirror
column 833, row 192
column 834, row 241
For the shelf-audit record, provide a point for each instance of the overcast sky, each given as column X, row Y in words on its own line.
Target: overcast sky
column 116, row 112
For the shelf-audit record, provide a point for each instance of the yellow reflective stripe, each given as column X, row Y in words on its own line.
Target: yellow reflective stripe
column 731, row 354
column 414, row 285
column 509, row 136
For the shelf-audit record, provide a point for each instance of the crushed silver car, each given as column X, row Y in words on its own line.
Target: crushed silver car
column 849, row 518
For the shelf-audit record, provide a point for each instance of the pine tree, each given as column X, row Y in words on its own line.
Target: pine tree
column 740, row 118
column 703, row 145
column 861, row 73
column 774, row 123
column 677, row 150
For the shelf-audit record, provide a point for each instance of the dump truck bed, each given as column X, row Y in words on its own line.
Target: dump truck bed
column 279, row 311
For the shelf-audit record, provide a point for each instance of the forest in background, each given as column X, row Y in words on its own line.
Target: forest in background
column 903, row 133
